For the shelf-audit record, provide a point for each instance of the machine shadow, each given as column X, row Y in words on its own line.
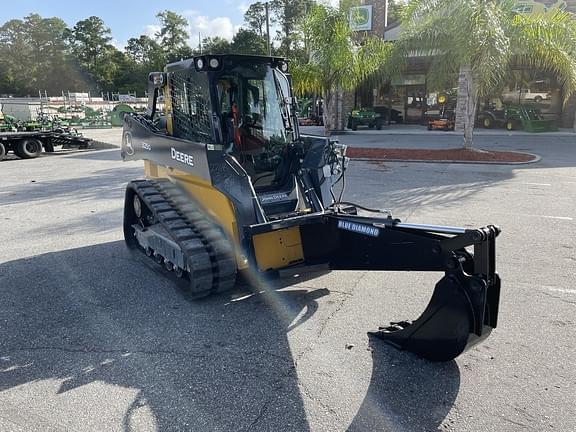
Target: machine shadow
column 93, row 315
column 406, row 393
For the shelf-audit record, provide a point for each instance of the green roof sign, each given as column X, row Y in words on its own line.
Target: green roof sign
column 361, row 18
column 537, row 7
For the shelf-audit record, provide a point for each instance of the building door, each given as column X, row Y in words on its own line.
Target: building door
column 414, row 103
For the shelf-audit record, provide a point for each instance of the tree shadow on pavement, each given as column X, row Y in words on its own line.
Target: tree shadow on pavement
column 403, row 187
column 406, row 393
column 95, row 315
column 109, row 184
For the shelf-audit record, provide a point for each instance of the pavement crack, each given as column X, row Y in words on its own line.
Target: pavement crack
column 262, row 411
column 281, row 384
column 266, row 404
column 324, row 323
column 340, row 305
column 517, row 423
column 559, row 298
column 277, row 388
column 324, row 405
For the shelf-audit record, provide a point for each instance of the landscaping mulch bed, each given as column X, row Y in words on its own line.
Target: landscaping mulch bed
column 455, row 155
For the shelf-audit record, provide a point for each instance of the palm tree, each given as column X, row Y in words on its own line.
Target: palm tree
column 338, row 59
column 480, row 41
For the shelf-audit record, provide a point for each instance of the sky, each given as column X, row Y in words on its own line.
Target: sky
column 131, row 18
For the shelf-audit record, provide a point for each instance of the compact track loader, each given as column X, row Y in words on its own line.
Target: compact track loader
column 233, row 190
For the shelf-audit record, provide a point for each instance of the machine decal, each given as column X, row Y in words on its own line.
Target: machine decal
column 277, row 197
column 359, row 228
column 140, row 141
column 128, row 144
column 182, row 157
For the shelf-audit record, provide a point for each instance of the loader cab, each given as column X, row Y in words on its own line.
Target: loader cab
column 237, row 101
column 239, row 105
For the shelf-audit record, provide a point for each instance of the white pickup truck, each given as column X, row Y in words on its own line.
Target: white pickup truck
column 524, row 94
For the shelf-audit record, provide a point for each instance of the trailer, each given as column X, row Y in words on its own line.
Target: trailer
column 29, row 145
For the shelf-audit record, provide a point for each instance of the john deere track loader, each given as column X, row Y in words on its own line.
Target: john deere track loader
column 233, row 190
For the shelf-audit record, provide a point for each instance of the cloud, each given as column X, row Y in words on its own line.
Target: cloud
column 118, row 45
column 151, row 30
column 205, row 25
column 333, row 3
column 243, row 7
column 210, row 27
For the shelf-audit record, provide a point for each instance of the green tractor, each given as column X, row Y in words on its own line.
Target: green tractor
column 8, row 123
column 516, row 117
column 364, row 117
column 118, row 112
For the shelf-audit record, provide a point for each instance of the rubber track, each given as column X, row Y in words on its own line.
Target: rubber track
column 210, row 255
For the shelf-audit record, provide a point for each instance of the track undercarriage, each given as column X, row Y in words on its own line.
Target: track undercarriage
column 165, row 224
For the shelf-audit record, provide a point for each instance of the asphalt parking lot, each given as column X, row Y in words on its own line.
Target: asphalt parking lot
column 92, row 339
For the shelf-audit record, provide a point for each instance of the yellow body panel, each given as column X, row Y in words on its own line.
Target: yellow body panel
column 214, row 202
column 278, row 249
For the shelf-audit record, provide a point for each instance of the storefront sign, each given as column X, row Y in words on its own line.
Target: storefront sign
column 413, row 79
column 361, row 18
column 538, row 7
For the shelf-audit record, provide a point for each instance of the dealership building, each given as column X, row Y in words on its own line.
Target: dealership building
column 412, row 97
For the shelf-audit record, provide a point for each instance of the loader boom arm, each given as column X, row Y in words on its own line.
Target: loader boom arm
column 463, row 309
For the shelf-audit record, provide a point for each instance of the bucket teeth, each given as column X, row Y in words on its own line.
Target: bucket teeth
column 395, row 326
column 447, row 327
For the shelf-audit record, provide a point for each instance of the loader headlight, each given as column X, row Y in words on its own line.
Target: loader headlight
column 214, row 63
column 199, row 63
column 283, row 66
column 157, row 78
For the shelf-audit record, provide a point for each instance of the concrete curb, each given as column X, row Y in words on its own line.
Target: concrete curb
column 535, row 160
column 482, row 134
column 422, row 131
column 100, row 145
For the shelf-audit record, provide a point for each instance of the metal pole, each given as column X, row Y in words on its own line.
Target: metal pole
column 386, row 16
column 200, row 42
column 268, row 29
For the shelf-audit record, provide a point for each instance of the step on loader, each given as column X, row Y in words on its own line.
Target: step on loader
column 232, row 190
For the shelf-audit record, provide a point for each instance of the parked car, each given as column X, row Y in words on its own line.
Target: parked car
column 395, row 115
column 514, row 96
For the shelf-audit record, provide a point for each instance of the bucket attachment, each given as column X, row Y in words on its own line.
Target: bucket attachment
column 457, row 317
column 463, row 309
